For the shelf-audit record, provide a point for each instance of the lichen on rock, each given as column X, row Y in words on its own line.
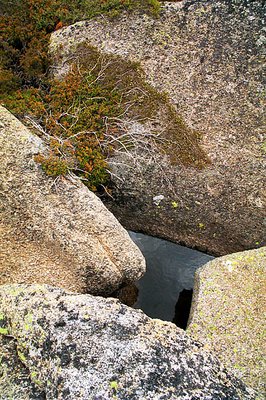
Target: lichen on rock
column 228, row 313
column 208, row 57
column 69, row 346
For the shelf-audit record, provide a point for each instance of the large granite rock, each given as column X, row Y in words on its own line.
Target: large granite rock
column 208, row 56
column 59, row 345
column 228, row 313
column 56, row 231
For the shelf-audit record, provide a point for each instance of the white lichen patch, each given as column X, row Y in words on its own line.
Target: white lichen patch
column 116, row 353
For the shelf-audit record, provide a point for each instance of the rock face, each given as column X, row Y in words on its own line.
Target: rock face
column 228, row 313
column 59, row 345
column 56, row 232
column 208, row 56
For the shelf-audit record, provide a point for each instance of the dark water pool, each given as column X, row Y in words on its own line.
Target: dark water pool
column 170, row 270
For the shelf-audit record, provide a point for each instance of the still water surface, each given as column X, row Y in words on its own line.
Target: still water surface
column 170, row 269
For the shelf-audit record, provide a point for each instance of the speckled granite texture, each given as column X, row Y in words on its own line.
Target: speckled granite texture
column 59, row 345
column 56, row 231
column 209, row 57
column 228, row 313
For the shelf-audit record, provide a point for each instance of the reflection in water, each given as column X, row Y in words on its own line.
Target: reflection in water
column 182, row 308
column 170, row 269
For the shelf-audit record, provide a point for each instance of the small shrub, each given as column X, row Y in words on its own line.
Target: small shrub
column 25, row 27
column 80, row 112
column 52, row 165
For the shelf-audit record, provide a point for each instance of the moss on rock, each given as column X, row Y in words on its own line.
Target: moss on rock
column 228, row 312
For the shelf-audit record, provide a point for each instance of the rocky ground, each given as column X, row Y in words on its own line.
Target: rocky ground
column 59, row 345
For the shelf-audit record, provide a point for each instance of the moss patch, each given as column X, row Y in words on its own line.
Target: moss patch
column 228, row 312
column 3, row 331
column 81, row 115
column 26, row 26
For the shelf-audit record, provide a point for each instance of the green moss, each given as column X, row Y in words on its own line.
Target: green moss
column 114, row 388
column 29, row 318
column 201, row 225
column 263, row 147
column 33, row 377
column 14, row 291
column 52, row 165
column 114, row 385
column 22, row 357
column 92, row 8
column 229, row 313
column 4, row 331
column 126, row 80
column 3, row 322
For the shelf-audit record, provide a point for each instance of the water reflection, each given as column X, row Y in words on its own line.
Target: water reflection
column 170, row 269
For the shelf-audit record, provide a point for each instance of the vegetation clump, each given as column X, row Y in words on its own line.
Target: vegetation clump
column 83, row 115
column 25, row 27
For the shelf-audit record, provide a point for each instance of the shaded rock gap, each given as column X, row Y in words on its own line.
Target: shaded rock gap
column 165, row 291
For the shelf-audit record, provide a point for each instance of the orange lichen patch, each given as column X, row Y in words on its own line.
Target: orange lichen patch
column 59, row 25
